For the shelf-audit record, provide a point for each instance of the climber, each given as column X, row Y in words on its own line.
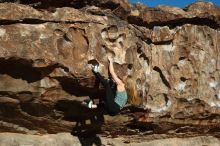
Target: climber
column 115, row 99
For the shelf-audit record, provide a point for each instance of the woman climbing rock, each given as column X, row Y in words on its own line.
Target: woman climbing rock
column 114, row 99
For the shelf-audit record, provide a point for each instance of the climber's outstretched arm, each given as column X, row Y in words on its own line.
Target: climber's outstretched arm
column 118, row 81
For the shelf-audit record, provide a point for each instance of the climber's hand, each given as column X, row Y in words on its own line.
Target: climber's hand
column 110, row 58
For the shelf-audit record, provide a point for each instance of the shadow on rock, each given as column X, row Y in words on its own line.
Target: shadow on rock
column 90, row 141
column 88, row 121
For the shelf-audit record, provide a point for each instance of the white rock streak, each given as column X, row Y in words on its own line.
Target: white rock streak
column 2, row 32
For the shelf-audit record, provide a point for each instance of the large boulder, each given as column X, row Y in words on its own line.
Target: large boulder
column 171, row 54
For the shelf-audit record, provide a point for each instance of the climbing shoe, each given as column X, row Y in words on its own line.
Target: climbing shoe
column 87, row 103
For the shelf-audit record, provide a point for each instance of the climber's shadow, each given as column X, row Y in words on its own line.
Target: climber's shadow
column 88, row 121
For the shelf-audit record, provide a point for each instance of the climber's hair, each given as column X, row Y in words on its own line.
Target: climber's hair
column 130, row 85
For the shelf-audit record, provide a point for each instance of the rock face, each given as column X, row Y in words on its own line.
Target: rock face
column 66, row 139
column 171, row 54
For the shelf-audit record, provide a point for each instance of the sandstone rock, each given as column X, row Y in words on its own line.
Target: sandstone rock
column 65, row 139
column 171, row 54
column 204, row 13
column 161, row 35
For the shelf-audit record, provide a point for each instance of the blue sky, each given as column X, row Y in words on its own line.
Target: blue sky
column 177, row 3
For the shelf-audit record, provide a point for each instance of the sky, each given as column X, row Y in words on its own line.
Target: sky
column 177, row 3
